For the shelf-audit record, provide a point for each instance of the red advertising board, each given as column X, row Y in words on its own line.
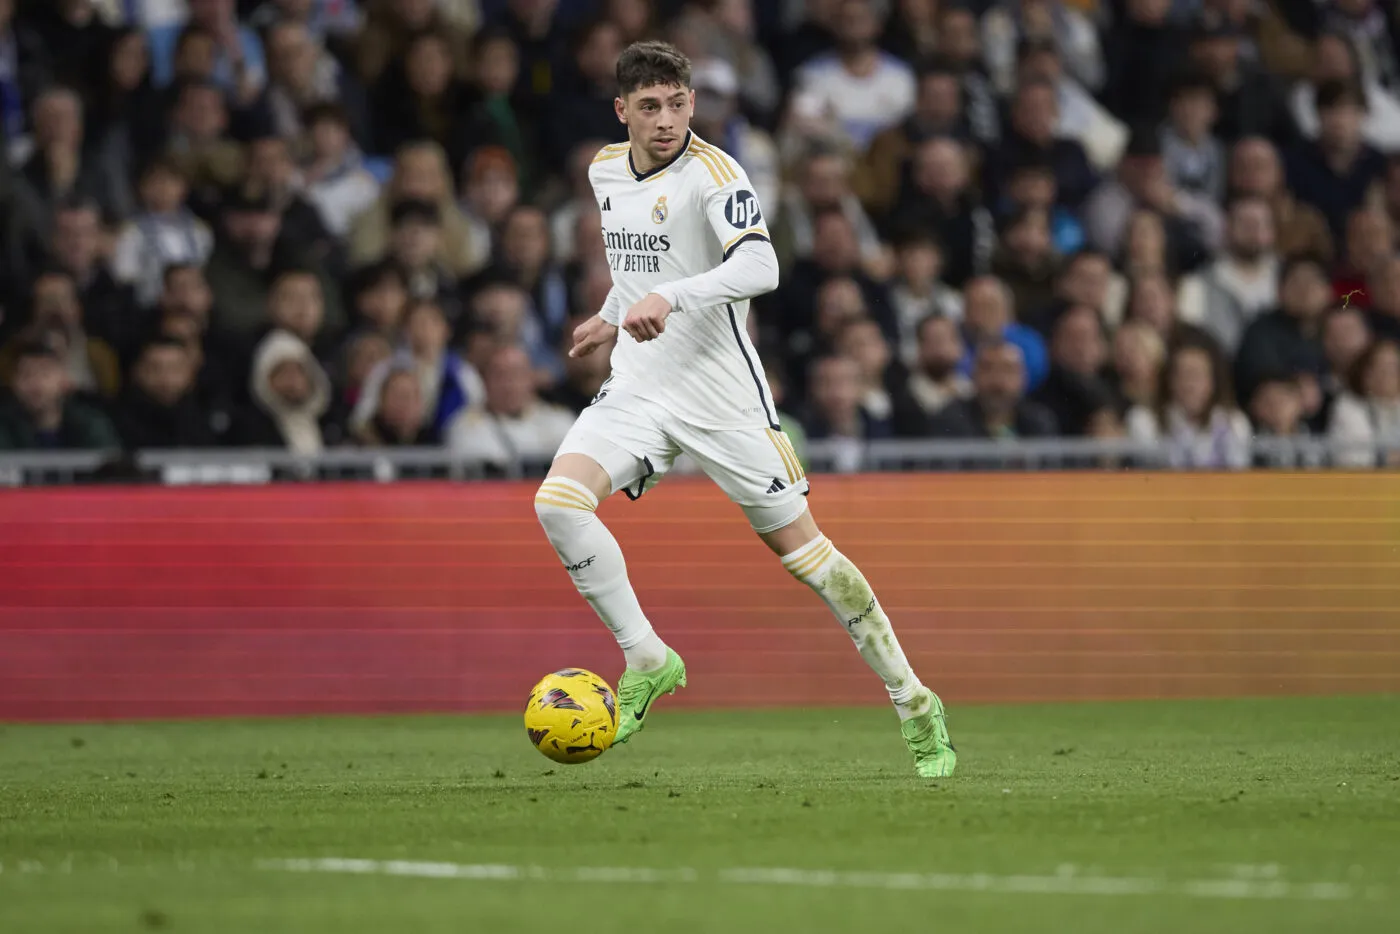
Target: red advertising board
column 149, row 602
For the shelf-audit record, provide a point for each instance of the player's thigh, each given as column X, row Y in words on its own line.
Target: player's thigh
column 615, row 444
column 757, row 469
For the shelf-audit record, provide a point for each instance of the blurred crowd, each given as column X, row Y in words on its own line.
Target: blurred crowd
column 304, row 224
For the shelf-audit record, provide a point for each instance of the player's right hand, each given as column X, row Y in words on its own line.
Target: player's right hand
column 592, row 334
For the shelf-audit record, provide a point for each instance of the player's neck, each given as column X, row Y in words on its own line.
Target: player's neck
column 643, row 161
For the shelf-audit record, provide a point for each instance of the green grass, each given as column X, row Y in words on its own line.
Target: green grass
column 160, row 826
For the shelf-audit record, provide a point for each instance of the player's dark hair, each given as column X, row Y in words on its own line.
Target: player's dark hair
column 649, row 63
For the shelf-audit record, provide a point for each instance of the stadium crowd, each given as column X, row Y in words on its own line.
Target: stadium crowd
column 309, row 223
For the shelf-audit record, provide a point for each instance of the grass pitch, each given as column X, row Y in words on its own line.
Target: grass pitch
column 1227, row 816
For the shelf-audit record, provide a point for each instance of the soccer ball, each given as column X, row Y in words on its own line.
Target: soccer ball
column 571, row 716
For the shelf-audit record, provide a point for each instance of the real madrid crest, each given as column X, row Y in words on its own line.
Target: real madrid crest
column 658, row 211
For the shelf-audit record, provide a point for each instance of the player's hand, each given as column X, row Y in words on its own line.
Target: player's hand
column 592, row 334
column 647, row 319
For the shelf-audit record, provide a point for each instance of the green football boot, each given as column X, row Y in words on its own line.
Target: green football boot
column 636, row 692
column 926, row 735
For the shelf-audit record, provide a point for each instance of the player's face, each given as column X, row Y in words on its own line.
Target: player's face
column 657, row 119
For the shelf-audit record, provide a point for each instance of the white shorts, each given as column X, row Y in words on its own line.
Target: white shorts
column 637, row 442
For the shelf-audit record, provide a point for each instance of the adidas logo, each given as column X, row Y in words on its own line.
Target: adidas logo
column 607, row 204
column 777, row 487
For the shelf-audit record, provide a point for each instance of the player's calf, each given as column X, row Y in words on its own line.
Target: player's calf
column 566, row 510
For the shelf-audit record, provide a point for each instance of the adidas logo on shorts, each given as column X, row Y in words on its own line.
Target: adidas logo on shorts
column 777, row 487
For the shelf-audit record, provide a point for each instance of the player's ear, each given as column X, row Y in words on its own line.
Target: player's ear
column 620, row 108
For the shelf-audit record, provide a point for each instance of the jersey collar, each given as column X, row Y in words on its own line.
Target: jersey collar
column 643, row 176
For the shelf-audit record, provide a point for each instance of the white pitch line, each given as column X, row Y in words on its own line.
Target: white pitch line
column 1062, row 884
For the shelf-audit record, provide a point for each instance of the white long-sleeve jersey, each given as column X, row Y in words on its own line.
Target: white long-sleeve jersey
column 692, row 231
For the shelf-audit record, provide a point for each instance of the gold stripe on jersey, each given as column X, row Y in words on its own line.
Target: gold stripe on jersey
column 605, row 156
column 710, row 164
column 726, row 168
column 813, row 561
column 783, row 453
column 752, row 230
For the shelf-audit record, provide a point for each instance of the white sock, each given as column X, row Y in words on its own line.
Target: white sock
column 594, row 561
column 845, row 590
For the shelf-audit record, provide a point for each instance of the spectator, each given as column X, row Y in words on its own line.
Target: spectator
column 414, row 249
column 1143, row 57
column 1255, row 169
column 1383, row 289
column 582, row 108
column 239, row 67
column 734, row 41
column 1251, row 103
column 491, row 192
column 337, row 183
column 271, row 168
column 997, row 408
column 824, row 185
column 1081, row 117
column 1194, row 158
column 1152, row 301
column 524, row 259
column 935, row 380
column 1276, row 409
column 1031, row 138
column 449, row 383
column 65, row 165
column 1363, row 22
column 1289, row 338
column 1345, row 337
column 938, row 111
column 1194, row 416
column 834, row 411
column 42, row 415
column 380, row 295
column 1228, row 294
column 1009, row 25
column 1087, row 278
column 989, row 315
column 398, row 420
column 495, row 116
column 392, row 25
column 1027, row 262
column 1074, row 390
column 1032, row 186
column 164, row 233
column 423, row 99
column 305, row 79
column 1335, row 173
column 362, row 353
column 199, row 140
column 290, row 393
column 1138, row 355
column 109, row 308
column 24, row 72
column 126, row 119
column 938, row 197
column 1370, row 241
column 1335, row 60
column 514, row 427
column 1193, row 223
column 583, row 376
column 158, row 409
column 56, row 320
column 565, row 222
column 960, row 47
column 420, row 173
column 296, row 304
column 213, row 388
column 884, row 396
column 867, row 89
column 1364, row 427
column 245, row 260
column 918, row 292
column 912, row 32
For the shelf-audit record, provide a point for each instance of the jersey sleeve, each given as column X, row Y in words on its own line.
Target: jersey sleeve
column 730, row 202
column 611, row 312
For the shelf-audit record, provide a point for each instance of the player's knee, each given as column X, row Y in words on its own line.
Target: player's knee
column 562, row 505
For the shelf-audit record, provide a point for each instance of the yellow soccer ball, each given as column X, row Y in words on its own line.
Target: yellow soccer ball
column 571, row 716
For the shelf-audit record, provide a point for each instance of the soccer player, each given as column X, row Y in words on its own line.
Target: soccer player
column 689, row 248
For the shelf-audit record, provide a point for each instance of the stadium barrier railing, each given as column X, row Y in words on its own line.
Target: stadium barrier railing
column 257, row 465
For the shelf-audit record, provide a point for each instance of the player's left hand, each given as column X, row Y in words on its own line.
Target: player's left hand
column 647, row 319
